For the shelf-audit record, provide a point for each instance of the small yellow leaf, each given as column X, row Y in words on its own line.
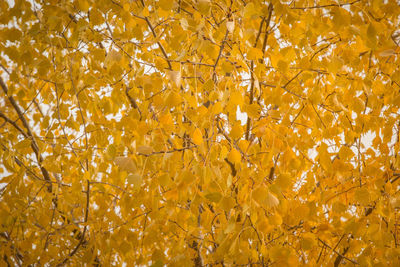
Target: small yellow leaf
column 236, row 98
column 230, row 227
column 197, row 137
column 234, row 156
column 227, row 203
column 337, row 103
column 362, row 196
column 253, row 110
column 259, row 194
column 387, row 53
column 250, row 10
column 308, row 241
column 214, row 197
column 23, row 144
column 144, row 150
column 284, row 180
column 204, row 6
column 372, row 36
column 145, row 12
column 126, row 164
column 208, row 85
column 216, row 108
column 254, row 53
column 230, row 26
column 114, row 55
column 166, row 119
column 234, row 248
column 135, row 180
column 345, row 153
column 84, row 5
column 358, row 105
column 224, row 152
column 236, row 131
column 166, row 4
column 111, row 151
column 184, row 23
column 275, row 219
column 271, row 200
column 175, row 76
column 173, row 99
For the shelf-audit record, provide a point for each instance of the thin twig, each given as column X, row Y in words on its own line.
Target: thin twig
column 339, row 254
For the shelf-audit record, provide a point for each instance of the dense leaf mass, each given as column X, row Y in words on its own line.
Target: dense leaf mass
column 199, row 132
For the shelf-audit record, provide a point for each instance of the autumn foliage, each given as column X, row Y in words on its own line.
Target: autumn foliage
column 199, row 133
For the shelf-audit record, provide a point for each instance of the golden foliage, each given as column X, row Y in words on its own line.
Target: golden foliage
column 199, row 132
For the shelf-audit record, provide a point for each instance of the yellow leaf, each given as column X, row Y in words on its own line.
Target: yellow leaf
column 111, row 151
column 114, row 55
column 184, row 23
column 230, row 26
column 145, row 12
column 173, row 99
column 135, row 180
column 275, row 219
column 371, row 36
column 166, row 4
column 84, row 5
column 236, row 98
column 144, row 150
column 214, row 197
column 208, row 85
column 126, row 164
column 227, row 203
column 234, row 248
column 253, row 110
column 307, row 241
column 230, row 227
column 387, row 53
column 345, row 153
column 234, row 156
column 250, row 10
column 236, row 131
column 227, row 67
column 362, row 196
column 337, row 103
column 216, row 108
column 204, row 6
column 166, row 119
column 197, row 137
column 271, row 200
column 254, row 53
column 358, row 105
column 23, row 144
column 224, row 152
column 284, row 180
column 175, row 76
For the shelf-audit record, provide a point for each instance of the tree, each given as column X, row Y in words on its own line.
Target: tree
column 205, row 133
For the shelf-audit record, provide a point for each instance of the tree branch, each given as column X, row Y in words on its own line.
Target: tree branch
column 166, row 151
column 13, row 124
column 268, row 20
column 133, row 102
column 75, row 250
column 339, row 254
column 270, row 8
column 34, row 145
column 158, row 43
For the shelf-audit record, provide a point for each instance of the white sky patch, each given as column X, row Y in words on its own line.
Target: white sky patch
column 242, row 116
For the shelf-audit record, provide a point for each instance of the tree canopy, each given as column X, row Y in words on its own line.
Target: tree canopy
column 199, row 132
